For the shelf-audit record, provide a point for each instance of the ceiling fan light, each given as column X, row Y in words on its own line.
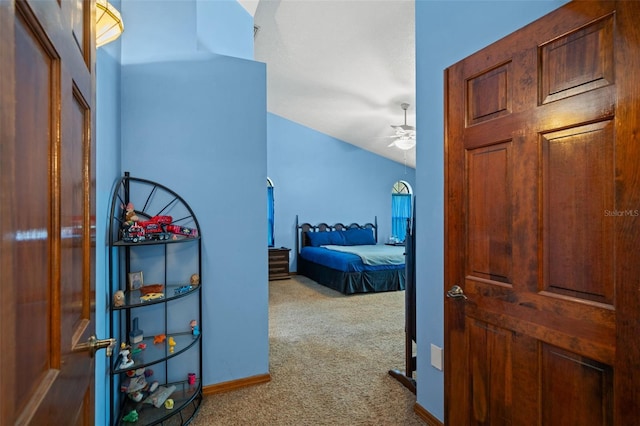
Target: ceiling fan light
column 406, row 135
column 109, row 23
column 405, row 143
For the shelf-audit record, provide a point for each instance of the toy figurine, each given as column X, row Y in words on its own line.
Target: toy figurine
column 118, row 298
column 172, row 344
column 130, row 215
column 132, row 417
column 195, row 279
column 135, row 384
column 191, row 379
column 194, row 328
column 159, row 338
column 125, row 356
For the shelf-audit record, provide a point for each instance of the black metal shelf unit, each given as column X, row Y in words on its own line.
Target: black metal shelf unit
column 155, row 281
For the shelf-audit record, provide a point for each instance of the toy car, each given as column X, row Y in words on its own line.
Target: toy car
column 133, row 233
column 151, row 296
column 182, row 289
column 154, row 230
column 182, row 230
column 164, row 220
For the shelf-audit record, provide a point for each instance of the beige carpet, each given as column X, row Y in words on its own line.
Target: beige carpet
column 329, row 361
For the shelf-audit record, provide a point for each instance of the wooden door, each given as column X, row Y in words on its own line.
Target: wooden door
column 543, row 224
column 47, row 211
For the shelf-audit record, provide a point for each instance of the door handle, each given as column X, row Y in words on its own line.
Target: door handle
column 456, row 292
column 93, row 344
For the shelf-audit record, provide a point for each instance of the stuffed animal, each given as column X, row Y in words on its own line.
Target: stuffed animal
column 118, row 298
column 195, row 279
column 130, row 215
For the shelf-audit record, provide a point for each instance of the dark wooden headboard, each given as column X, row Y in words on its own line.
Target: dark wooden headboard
column 302, row 239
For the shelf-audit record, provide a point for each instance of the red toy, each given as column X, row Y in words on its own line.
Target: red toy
column 133, row 233
column 164, row 220
column 134, row 230
column 154, row 230
column 182, row 230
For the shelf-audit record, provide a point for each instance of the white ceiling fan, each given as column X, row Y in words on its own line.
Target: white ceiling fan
column 405, row 137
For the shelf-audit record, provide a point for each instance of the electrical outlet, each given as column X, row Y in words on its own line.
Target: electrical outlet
column 436, row 357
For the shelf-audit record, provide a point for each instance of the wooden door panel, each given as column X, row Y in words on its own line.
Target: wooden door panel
column 505, row 363
column 490, row 364
column 577, row 170
column 489, row 95
column 539, row 184
column 570, row 380
column 47, row 205
column 489, row 215
column 74, row 256
column 577, row 62
column 35, row 83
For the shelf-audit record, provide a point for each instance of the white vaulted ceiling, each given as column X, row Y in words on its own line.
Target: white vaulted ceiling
column 341, row 67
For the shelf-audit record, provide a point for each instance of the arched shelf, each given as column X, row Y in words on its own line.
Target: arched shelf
column 155, row 282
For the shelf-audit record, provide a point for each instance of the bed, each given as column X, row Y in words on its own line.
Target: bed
column 348, row 259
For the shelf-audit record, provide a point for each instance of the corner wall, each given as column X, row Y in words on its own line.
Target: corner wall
column 199, row 128
column 107, row 171
column 195, row 121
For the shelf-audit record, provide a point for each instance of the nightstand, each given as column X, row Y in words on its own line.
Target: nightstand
column 278, row 263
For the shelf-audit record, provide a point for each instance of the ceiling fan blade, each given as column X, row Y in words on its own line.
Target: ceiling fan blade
column 403, row 127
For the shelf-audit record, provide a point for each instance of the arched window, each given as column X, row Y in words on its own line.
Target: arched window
column 270, row 215
column 400, row 210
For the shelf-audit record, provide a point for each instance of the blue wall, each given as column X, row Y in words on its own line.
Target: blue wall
column 107, row 171
column 175, row 101
column 323, row 179
column 225, row 27
column 157, row 30
column 199, row 127
column 446, row 32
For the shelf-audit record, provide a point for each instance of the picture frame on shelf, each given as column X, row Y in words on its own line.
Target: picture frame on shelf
column 135, row 280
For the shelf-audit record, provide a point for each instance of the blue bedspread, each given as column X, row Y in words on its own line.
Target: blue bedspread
column 374, row 255
column 347, row 262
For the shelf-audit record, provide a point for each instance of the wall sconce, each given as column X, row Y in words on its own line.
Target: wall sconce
column 109, row 23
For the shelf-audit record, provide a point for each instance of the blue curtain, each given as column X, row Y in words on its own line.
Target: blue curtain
column 270, row 215
column 400, row 212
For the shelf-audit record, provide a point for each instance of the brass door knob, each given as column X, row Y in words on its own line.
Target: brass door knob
column 456, row 292
column 93, row 344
